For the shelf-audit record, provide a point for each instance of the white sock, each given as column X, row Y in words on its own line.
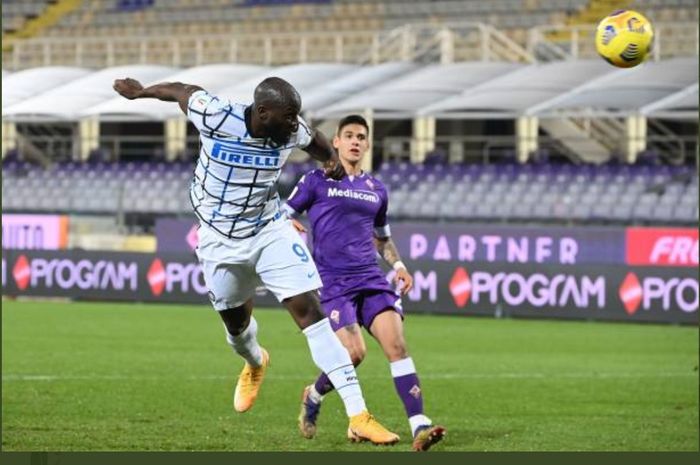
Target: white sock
column 417, row 421
column 246, row 344
column 314, row 395
column 402, row 367
column 333, row 359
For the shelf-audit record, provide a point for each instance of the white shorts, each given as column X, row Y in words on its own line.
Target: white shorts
column 276, row 257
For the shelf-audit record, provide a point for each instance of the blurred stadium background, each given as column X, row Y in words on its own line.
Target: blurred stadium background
column 509, row 148
column 477, row 107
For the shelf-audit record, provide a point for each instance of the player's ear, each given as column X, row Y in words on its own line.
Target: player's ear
column 263, row 113
column 336, row 142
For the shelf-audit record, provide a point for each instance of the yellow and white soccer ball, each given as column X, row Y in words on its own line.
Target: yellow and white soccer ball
column 624, row 38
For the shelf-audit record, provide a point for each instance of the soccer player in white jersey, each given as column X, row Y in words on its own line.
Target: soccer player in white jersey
column 353, row 211
column 244, row 239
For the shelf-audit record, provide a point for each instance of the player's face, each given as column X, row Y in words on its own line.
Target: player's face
column 352, row 142
column 280, row 123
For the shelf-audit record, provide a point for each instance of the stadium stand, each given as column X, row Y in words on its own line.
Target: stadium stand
column 109, row 32
column 160, row 17
column 100, row 17
column 559, row 94
column 452, row 107
column 550, row 193
column 16, row 13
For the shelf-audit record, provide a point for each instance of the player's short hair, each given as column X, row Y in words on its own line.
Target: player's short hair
column 353, row 119
column 276, row 92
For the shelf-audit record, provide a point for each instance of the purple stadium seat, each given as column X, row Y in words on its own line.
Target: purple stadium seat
column 684, row 213
column 522, row 211
column 601, row 211
column 663, row 212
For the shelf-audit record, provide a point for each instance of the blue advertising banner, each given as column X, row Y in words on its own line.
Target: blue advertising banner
column 509, row 244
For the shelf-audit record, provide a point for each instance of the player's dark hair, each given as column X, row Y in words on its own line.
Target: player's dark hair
column 275, row 91
column 353, row 119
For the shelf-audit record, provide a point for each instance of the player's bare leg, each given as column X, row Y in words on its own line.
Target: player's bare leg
column 332, row 358
column 241, row 334
column 387, row 328
column 351, row 338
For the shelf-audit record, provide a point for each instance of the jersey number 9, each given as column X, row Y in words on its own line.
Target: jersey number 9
column 300, row 252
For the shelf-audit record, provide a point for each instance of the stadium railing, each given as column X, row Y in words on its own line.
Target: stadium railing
column 440, row 43
column 559, row 42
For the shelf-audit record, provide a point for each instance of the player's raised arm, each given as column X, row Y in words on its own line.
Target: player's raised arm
column 322, row 150
column 166, row 91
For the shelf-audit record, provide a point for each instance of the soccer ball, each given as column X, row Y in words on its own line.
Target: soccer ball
column 624, row 38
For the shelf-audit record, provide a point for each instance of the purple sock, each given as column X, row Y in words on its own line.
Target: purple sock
column 408, row 386
column 323, row 384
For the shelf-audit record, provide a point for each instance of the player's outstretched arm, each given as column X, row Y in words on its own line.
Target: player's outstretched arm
column 321, row 149
column 388, row 251
column 166, row 91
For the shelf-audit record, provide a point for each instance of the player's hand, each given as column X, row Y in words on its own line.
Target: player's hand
column 298, row 226
column 334, row 169
column 129, row 88
column 403, row 279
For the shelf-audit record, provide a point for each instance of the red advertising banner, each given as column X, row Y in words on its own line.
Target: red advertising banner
column 662, row 246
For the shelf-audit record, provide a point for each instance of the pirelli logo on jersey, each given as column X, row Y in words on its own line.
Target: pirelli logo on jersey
column 240, row 156
column 351, row 194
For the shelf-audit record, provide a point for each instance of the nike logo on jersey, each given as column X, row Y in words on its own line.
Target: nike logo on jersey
column 311, row 275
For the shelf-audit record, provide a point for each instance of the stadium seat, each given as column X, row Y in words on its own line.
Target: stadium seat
column 643, row 212
column 663, row 212
column 685, row 214
column 513, row 193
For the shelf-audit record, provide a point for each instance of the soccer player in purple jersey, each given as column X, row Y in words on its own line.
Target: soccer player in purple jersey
column 352, row 211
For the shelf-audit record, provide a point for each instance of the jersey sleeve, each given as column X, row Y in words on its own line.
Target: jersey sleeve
column 381, row 222
column 301, row 197
column 304, row 134
column 207, row 112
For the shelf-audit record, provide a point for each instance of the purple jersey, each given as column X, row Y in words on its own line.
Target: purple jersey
column 345, row 216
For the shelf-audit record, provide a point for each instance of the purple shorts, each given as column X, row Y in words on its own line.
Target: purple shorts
column 360, row 307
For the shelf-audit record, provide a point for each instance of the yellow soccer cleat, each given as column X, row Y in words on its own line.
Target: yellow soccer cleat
column 364, row 427
column 249, row 383
column 426, row 436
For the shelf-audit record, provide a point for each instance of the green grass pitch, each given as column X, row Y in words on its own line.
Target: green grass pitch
column 105, row 376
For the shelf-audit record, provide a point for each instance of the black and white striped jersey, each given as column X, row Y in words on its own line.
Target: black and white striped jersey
column 234, row 188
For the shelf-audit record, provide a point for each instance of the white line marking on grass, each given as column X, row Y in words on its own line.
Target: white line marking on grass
column 10, row 377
